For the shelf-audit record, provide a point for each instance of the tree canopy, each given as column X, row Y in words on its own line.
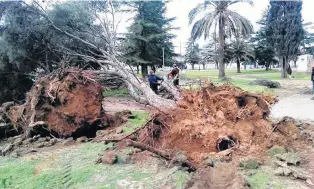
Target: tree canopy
column 149, row 36
column 284, row 30
column 192, row 54
column 230, row 23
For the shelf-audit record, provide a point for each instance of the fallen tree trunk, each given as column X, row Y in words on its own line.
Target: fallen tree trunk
column 110, row 57
column 167, row 156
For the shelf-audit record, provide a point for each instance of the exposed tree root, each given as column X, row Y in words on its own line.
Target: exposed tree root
column 163, row 154
column 63, row 103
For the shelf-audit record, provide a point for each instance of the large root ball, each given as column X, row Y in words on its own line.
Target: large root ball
column 69, row 104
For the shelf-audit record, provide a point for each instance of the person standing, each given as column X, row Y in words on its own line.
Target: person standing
column 153, row 81
column 174, row 74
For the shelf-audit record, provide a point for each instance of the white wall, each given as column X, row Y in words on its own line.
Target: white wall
column 304, row 63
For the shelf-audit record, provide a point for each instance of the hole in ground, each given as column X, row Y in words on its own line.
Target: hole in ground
column 241, row 101
column 225, row 144
column 88, row 130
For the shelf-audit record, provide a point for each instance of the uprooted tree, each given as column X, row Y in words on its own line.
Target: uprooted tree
column 97, row 46
column 108, row 58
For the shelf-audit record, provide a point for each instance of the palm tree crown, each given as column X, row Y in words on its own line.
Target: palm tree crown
column 229, row 23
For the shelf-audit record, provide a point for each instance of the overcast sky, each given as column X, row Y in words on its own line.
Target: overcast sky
column 181, row 8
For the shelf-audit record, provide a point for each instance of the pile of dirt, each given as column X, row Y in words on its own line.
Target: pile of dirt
column 65, row 104
column 218, row 118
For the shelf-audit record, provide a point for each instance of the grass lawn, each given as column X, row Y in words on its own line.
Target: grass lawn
column 74, row 167
column 251, row 74
column 141, row 117
column 115, row 92
column 239, row 79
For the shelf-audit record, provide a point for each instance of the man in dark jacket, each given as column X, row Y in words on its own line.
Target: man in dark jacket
column 174, row 74
column 153, row 81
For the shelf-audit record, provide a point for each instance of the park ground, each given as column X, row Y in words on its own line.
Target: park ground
column 73, row 166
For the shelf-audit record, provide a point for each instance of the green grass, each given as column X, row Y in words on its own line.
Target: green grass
column 193, row 74
column 115, row 92
column 244, row 84
column 261, row 179
column 242, row 79
column 75, row 168
column 277, row 76
column 141, row 117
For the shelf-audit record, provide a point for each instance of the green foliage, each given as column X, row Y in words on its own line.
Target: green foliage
column 284, row 30
column 148, row 35
column 276, row 150
column 263, row 48
column 219, row 17
column 249, row 164
column 215, row 12
column 239, row 51
column 192, row 54
column 30, row 45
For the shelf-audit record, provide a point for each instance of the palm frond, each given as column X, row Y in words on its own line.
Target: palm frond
column 198, row 9
column 241, row 24
column 203, row 25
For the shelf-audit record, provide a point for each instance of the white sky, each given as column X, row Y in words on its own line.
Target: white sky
column 181, row 8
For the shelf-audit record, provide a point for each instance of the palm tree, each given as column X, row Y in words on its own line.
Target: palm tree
column 240, row 51
column 229, row 24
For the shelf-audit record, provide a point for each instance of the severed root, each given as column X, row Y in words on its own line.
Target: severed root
column 161, row 153
column 37, row 124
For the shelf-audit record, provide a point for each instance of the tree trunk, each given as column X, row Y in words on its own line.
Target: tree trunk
column 203, row 66
column 244, row 65
column 216, row 64
column 255, row 64
column 138, row 69
column 120, row 69
column 192, row 66
column 267, row 64
column 154, row 69
column 148, row 96
column 283, row 67
column 238, row 66
column 221, row 48
column 144, row 71
column 295, row 63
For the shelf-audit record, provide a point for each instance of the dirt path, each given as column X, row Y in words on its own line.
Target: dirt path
column 296, row 106
column 294, row 100
column 120, row 103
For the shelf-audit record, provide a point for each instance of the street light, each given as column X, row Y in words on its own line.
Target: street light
column 163, row 57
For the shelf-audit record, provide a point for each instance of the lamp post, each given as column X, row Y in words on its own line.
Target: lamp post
column 163, row 57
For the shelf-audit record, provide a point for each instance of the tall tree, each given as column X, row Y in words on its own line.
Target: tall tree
column 240, row 51
column 229, row 23
column 263, row 47
column 209, row 52
column 149, row 36
column 285, row 30
column 192, row 54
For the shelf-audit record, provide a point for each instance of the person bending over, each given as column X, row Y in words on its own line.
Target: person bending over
column 153, row 81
